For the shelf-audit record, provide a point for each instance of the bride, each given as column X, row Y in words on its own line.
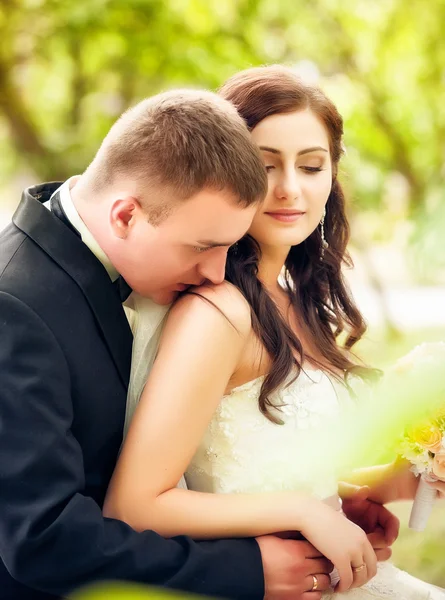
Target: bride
column 243, row 368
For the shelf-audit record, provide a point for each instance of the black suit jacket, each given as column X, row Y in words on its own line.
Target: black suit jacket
column 65, row 350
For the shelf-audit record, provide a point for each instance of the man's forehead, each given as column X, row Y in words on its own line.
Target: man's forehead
column 222, row 231
column 213, row 220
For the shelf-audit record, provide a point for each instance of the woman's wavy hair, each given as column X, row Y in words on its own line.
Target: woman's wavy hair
column 315, row 284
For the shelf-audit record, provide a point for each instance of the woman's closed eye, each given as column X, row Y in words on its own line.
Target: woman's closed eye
column 308, row 169
column 305, row 168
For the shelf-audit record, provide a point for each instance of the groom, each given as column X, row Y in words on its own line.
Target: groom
column 175, row 182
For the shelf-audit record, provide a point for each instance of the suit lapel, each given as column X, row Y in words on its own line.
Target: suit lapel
column 74, row 257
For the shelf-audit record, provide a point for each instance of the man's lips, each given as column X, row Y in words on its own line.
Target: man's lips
column 181, row 287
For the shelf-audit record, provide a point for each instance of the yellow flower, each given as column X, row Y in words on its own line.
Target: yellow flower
column 429, row 437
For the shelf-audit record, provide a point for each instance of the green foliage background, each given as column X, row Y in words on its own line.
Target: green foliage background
column 68, row 69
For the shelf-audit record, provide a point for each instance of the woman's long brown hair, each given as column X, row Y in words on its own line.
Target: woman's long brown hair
column 316, row 288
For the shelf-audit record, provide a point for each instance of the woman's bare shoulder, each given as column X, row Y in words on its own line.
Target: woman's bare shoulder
column 224, row 298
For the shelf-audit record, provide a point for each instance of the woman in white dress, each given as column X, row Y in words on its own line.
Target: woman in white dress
column 243, row 367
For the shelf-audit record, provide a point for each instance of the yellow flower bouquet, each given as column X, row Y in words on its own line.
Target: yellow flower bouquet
column 424, row 445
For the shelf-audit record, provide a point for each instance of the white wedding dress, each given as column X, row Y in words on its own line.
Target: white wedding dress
column 242, row 451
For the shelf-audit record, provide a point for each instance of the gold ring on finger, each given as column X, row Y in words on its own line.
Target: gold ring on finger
column 315, row 584
column 358, row 569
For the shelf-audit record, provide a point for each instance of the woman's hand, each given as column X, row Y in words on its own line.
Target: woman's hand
column 439, row 486
column 342, row 542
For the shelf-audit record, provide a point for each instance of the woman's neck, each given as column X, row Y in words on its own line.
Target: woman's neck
column 270, row 266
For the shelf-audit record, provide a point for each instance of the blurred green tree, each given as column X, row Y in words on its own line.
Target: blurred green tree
column 67, row 70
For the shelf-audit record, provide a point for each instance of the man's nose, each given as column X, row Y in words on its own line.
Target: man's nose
column 214, row 268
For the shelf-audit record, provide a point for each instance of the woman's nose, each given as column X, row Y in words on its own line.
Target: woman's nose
column 289, row 187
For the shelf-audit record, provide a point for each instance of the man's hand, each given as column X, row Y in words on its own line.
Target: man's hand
column 377, row 521
column 291, row 567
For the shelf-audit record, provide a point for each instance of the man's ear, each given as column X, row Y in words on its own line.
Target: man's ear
column 122, row 215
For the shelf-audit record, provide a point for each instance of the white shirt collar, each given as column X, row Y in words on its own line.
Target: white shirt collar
column 86, row 236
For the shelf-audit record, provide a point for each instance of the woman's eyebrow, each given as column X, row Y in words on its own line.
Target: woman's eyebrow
column 313, row 149
column 272, row 150
column 305, row 151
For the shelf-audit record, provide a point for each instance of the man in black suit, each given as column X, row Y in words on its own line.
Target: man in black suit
column 175, row 182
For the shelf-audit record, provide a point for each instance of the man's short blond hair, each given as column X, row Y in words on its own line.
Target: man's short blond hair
column 181, row 141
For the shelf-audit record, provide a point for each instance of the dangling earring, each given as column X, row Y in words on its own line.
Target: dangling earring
column 324, row 244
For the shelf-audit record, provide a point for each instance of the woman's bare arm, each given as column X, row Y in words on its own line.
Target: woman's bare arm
column 388, row 483
column 199, row 351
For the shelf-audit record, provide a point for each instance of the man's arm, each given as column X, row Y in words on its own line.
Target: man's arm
column 381, row 525
column 52, row 537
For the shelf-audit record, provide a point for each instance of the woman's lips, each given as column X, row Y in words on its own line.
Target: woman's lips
column 286, row 216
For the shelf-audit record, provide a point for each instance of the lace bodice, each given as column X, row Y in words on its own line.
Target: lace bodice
column 243, row 451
